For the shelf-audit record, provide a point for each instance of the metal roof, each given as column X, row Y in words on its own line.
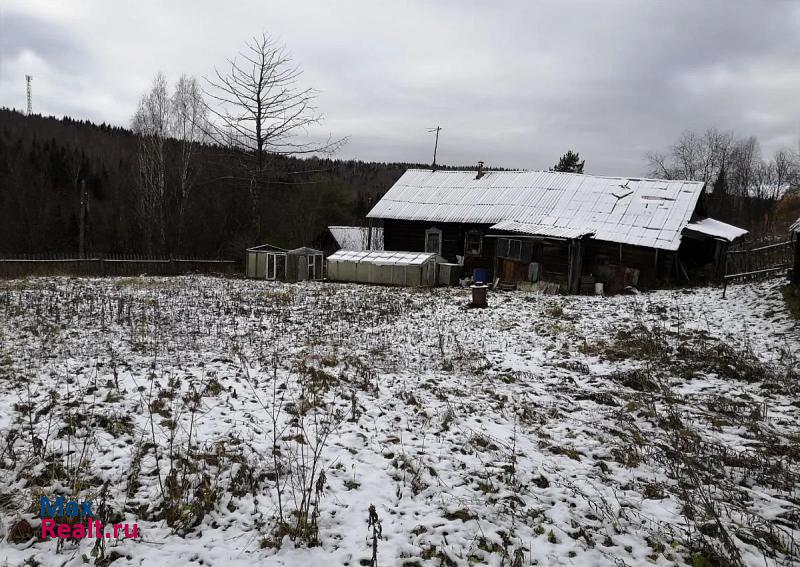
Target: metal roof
column 305, row 251
column 643, row 212
column 717, row 229
column 266, row 248
column 795, row 226
column 383, row 258
column 541, row 230
column 356, row 237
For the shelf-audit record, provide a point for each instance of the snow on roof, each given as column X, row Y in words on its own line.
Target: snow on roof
column 541, row 230
column 379, row 257
column 795, row 227
column 643, row 212
column 304, row 251
column 266, row 247
column 717, row 229
column 356, row 237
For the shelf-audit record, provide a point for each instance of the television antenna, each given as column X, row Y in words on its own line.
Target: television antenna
column 28, row 79
column 436, row 144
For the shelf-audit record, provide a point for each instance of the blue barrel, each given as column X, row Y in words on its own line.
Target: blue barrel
column 480, row 275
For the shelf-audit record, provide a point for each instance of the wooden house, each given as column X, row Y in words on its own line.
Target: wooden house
column 564, row 229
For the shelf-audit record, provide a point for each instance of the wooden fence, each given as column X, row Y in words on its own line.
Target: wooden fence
column 111, row 265
column 755, row 263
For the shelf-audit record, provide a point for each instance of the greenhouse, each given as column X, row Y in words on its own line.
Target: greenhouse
column 384, row 268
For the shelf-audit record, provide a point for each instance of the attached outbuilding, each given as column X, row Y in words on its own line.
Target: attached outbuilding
column 383, row 268
column 268, row 262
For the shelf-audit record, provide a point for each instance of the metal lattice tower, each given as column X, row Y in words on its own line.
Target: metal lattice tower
column 28, row 79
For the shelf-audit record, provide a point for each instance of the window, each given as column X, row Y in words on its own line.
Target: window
column 433, row 240
column 473, row 243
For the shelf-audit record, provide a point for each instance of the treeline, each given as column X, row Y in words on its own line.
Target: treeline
column 44, row 159
column 744, row 187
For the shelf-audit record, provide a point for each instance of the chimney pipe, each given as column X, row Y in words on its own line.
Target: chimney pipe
column 480, row 170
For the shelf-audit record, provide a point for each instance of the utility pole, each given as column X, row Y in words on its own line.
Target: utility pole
column 28, row 79
column 436, row 145
column 369, row 224
column 82, row 236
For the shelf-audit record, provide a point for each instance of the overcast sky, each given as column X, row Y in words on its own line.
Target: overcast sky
column 514, row 84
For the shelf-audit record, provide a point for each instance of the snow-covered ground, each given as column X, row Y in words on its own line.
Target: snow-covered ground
column 659, row 428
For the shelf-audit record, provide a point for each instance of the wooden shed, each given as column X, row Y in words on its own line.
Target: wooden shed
column 268, row 262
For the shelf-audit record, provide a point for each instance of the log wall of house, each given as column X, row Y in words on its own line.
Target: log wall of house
column 555, row 262
column 409, row 236
column 605, row 261
column 655, row 267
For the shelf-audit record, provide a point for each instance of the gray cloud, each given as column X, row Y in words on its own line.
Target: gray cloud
column 512, row 83
column 21, row 32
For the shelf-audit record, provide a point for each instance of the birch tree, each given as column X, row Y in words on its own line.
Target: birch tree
column 165, row 180
column 189, row 124
column 151, row 122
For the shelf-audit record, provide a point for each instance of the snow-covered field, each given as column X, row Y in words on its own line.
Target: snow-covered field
column 246, row 423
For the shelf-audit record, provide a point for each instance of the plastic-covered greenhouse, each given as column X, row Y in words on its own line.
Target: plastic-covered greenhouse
column 386, row 268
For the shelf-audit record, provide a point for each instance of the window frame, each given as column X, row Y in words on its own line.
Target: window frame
column 438, row 233
column 472, row 233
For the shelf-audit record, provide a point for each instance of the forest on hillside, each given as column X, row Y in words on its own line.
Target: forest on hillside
column 44, row 159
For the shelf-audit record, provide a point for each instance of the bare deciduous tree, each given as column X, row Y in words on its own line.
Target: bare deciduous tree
column 160, row 117
column 260, row 111
column 743, row 167
column 189, row 124
column 786, row 165
column 151, row 122
column 694, row 157
column 750, row 185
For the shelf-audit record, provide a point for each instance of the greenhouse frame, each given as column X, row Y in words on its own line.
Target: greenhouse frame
column 383, row 268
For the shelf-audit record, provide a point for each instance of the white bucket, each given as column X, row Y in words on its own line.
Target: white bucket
column 598, row 289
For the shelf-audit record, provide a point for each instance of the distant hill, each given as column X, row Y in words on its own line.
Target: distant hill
column 43, row 159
